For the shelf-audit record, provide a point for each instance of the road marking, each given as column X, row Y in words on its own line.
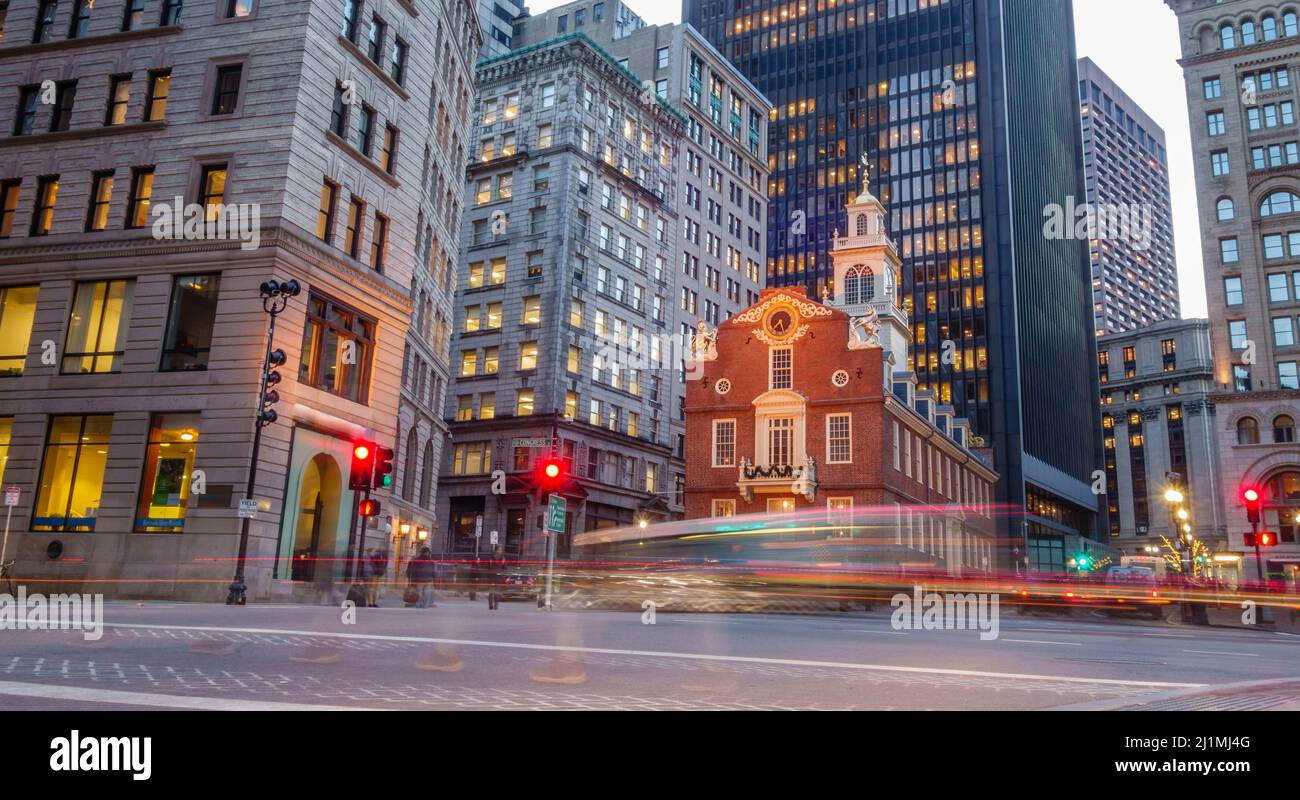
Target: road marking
column 1171, row 635
column 1040, row 641
column 1221, row 653
column 94, row 695
column 882, row 633
column 785, row 662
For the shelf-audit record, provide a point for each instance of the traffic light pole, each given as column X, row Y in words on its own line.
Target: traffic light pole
column 238, row 593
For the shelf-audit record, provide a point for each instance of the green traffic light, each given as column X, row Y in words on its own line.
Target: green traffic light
column 388, row 480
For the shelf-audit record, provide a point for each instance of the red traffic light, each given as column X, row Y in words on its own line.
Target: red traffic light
column 369, row 508
column 1267, row 539
column 363, row 466
column 1251, row 496
column 551, row 474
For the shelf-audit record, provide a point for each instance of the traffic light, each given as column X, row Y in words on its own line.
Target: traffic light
column 363, row 466
column 1084, row 561
column 1250, row 495
column 551, row 475
column 383, row 467
column 266, row 415
column 1262, row 539
column 369, row 508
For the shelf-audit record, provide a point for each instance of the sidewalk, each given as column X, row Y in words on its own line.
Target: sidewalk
column 1284, row 620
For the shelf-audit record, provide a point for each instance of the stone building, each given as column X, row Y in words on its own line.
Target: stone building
column 1160, row 430
column 721, row 169
column 801, row 404
column 562, row 340
column 288, row 136
column 1239, row 61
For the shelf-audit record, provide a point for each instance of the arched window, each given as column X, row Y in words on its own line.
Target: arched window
column 1280, row 203
column 1283, row 429
column 1247, row 32
column 408, row 468
column 1268, row 26
column 426, row 477
column 1247, row 431
column 1290, row 24
column 861, row 225
column 859, row 285
column 1227, row 37
column 1226, row 209
column 1285, row 488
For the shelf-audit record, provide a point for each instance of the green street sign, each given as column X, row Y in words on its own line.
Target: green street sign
column 555, row 514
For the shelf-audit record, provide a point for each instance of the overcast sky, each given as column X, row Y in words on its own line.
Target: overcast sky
column 1136, row 43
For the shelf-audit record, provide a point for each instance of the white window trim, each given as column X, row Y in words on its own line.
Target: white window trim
column 771, row 368
column 713, row 459
column 829, row 417
column 717, row 502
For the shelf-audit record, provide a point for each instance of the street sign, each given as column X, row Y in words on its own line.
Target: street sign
column 248, row 507
column 555, row 514
column 543, row 442
column 492, row 538
column 478, row 527
column 12, row 493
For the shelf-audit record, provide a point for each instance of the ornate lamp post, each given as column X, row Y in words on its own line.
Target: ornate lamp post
column 275, row 298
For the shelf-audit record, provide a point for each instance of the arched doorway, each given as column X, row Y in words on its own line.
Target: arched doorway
column 315, row 539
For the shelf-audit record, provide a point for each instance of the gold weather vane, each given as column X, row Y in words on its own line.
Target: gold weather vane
column 865, row 162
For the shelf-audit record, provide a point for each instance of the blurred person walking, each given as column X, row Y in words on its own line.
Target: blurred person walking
column 420, row 575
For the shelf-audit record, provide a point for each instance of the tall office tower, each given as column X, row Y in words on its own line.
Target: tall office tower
column 562, row 344
column 1134, row 274
column 426, row 371
column 965, row 111
column 1158, row 423
column 189, row 156
column 497, row 18
column 721, row 170
column 1239, row 62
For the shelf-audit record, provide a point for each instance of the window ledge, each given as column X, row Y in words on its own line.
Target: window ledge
column 116, row 37
column 374, row 68
column 55, row 137
column 345, row 145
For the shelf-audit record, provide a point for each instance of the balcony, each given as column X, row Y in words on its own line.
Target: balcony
column 799, row 479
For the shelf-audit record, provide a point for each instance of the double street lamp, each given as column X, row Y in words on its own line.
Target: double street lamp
column 275, row 299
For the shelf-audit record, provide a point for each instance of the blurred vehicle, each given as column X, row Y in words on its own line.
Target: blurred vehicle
column 1133, row 590
column 518, row 583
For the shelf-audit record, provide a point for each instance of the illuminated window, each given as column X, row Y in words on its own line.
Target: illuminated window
column 212, row 191
column 72, row 473
column 524, row 403
column 532, row 310
column 168, row 467
column 101, row 313
column 336, row 348
column 528, row 355
column 724, row 508
column 6, row 432
column 471, row 458
column 724, row 443
column 17, row 311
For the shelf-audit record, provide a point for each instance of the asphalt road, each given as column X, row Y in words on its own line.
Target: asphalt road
column 460, row 655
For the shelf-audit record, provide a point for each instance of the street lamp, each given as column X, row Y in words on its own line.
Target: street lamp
column 275, row 299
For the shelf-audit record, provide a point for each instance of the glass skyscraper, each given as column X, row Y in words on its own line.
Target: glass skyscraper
column 965, row 114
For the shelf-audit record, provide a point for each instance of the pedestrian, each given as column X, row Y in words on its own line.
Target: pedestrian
column 378, row 564
column 420, row 573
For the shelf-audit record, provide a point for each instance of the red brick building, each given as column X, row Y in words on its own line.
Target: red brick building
column 798, row 404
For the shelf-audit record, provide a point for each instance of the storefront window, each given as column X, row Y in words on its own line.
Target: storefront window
column 189, row 322
column 168, row 468
column 17, row 310
column 101, row 314
column 72, row 474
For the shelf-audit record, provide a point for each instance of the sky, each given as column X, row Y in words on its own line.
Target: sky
column 1136, row 43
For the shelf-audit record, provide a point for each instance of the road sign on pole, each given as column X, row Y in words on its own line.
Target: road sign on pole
column 12, row 493
column 248, row 507
column 555, row 514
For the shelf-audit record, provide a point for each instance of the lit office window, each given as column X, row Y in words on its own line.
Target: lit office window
column 168, row 467
column 72, row 473
column 101, row 314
